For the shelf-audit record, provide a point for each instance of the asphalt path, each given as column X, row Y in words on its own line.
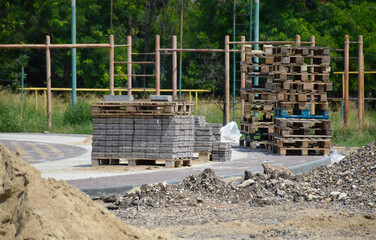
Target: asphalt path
column 62, row 157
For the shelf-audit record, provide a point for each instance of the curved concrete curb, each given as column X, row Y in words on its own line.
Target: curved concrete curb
column 306, row 167
column 298, row 169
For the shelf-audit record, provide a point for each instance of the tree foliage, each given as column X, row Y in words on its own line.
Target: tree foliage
column 206, row 22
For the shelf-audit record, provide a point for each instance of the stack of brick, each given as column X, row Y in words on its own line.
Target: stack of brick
column 142, row 130
column 203, row 139
column 208, row 141
column 257, row 122
column 216, row 130
column 295, row 83
column 221, row 152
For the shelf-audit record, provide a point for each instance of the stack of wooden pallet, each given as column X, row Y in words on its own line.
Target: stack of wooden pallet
column 297, row 79
column 301, row 110
column 142, row 132
column 257, row 123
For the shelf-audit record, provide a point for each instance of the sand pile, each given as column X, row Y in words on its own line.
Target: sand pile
column 34, row 208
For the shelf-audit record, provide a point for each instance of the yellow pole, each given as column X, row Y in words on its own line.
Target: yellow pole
column 36, row 100
column 196, row 94
column 45, row 99
column 363, row 84
column 190, row 96
column 343, row 85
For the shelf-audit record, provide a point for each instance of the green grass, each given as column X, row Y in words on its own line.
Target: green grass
column 354, row 134
column 33, row 117
column 77, row 120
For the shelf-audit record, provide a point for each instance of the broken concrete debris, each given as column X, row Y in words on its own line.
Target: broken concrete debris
column 350, row 182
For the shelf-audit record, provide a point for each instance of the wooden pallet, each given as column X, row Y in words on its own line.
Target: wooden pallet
column 322, row 86
column 106, row 108
column 301, row 151
column 294, row 96
column 203, row 156
column 255, row 144
column 301, row 123
column 260, row 118
column 283, row 59
column 308, row 141
column 301, row 76
column 252, row 128
column 300, row 50
column 294, row 108
column 258, row 97
column 266, row 107
column 168, row 163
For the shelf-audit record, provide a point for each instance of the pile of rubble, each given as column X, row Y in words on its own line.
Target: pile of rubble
column 351, row 182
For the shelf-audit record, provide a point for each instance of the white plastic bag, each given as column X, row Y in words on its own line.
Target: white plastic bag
column 335, row 157
column 230, row 133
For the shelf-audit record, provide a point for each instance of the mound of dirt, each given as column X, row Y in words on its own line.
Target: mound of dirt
column 35, row 208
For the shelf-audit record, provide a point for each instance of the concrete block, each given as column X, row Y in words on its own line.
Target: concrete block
column 164, row 98
column 120, row 98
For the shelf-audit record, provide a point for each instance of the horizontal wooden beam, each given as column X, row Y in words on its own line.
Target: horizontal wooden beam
column 54, row 46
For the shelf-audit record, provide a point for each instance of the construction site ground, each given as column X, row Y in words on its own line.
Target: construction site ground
column 67, row 157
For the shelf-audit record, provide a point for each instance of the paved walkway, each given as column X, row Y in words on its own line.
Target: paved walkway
column 37, row 152
column 242, row 159
column 70, row 162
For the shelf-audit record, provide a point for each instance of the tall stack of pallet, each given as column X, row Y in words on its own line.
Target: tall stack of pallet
column 257, row 122
column 142, row 132
column 301, row 110
column 289, row 109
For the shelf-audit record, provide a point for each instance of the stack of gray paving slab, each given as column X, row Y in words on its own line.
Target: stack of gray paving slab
column 216, row 129
column 208, row 140
column 221, row 152
column 203, row 135
column 149, row 137
column 147, row 133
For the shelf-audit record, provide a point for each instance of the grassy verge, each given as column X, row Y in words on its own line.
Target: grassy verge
column 32, row 116
column 77, row 120
column 354, row 134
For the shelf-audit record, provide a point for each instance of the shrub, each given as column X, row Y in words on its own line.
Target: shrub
column 78, row 114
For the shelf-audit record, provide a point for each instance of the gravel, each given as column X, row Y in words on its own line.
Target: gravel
column 349, row 186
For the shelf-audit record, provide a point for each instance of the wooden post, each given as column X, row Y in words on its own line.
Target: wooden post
column 227, row 79
column 112, row 53
column 242, row 74
column 48, row 76
column 346, row 70
column 297, row 41
column 129, row 64
column 174, row 68
column 157, row 65
column 312, row 107
column 360, row 79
